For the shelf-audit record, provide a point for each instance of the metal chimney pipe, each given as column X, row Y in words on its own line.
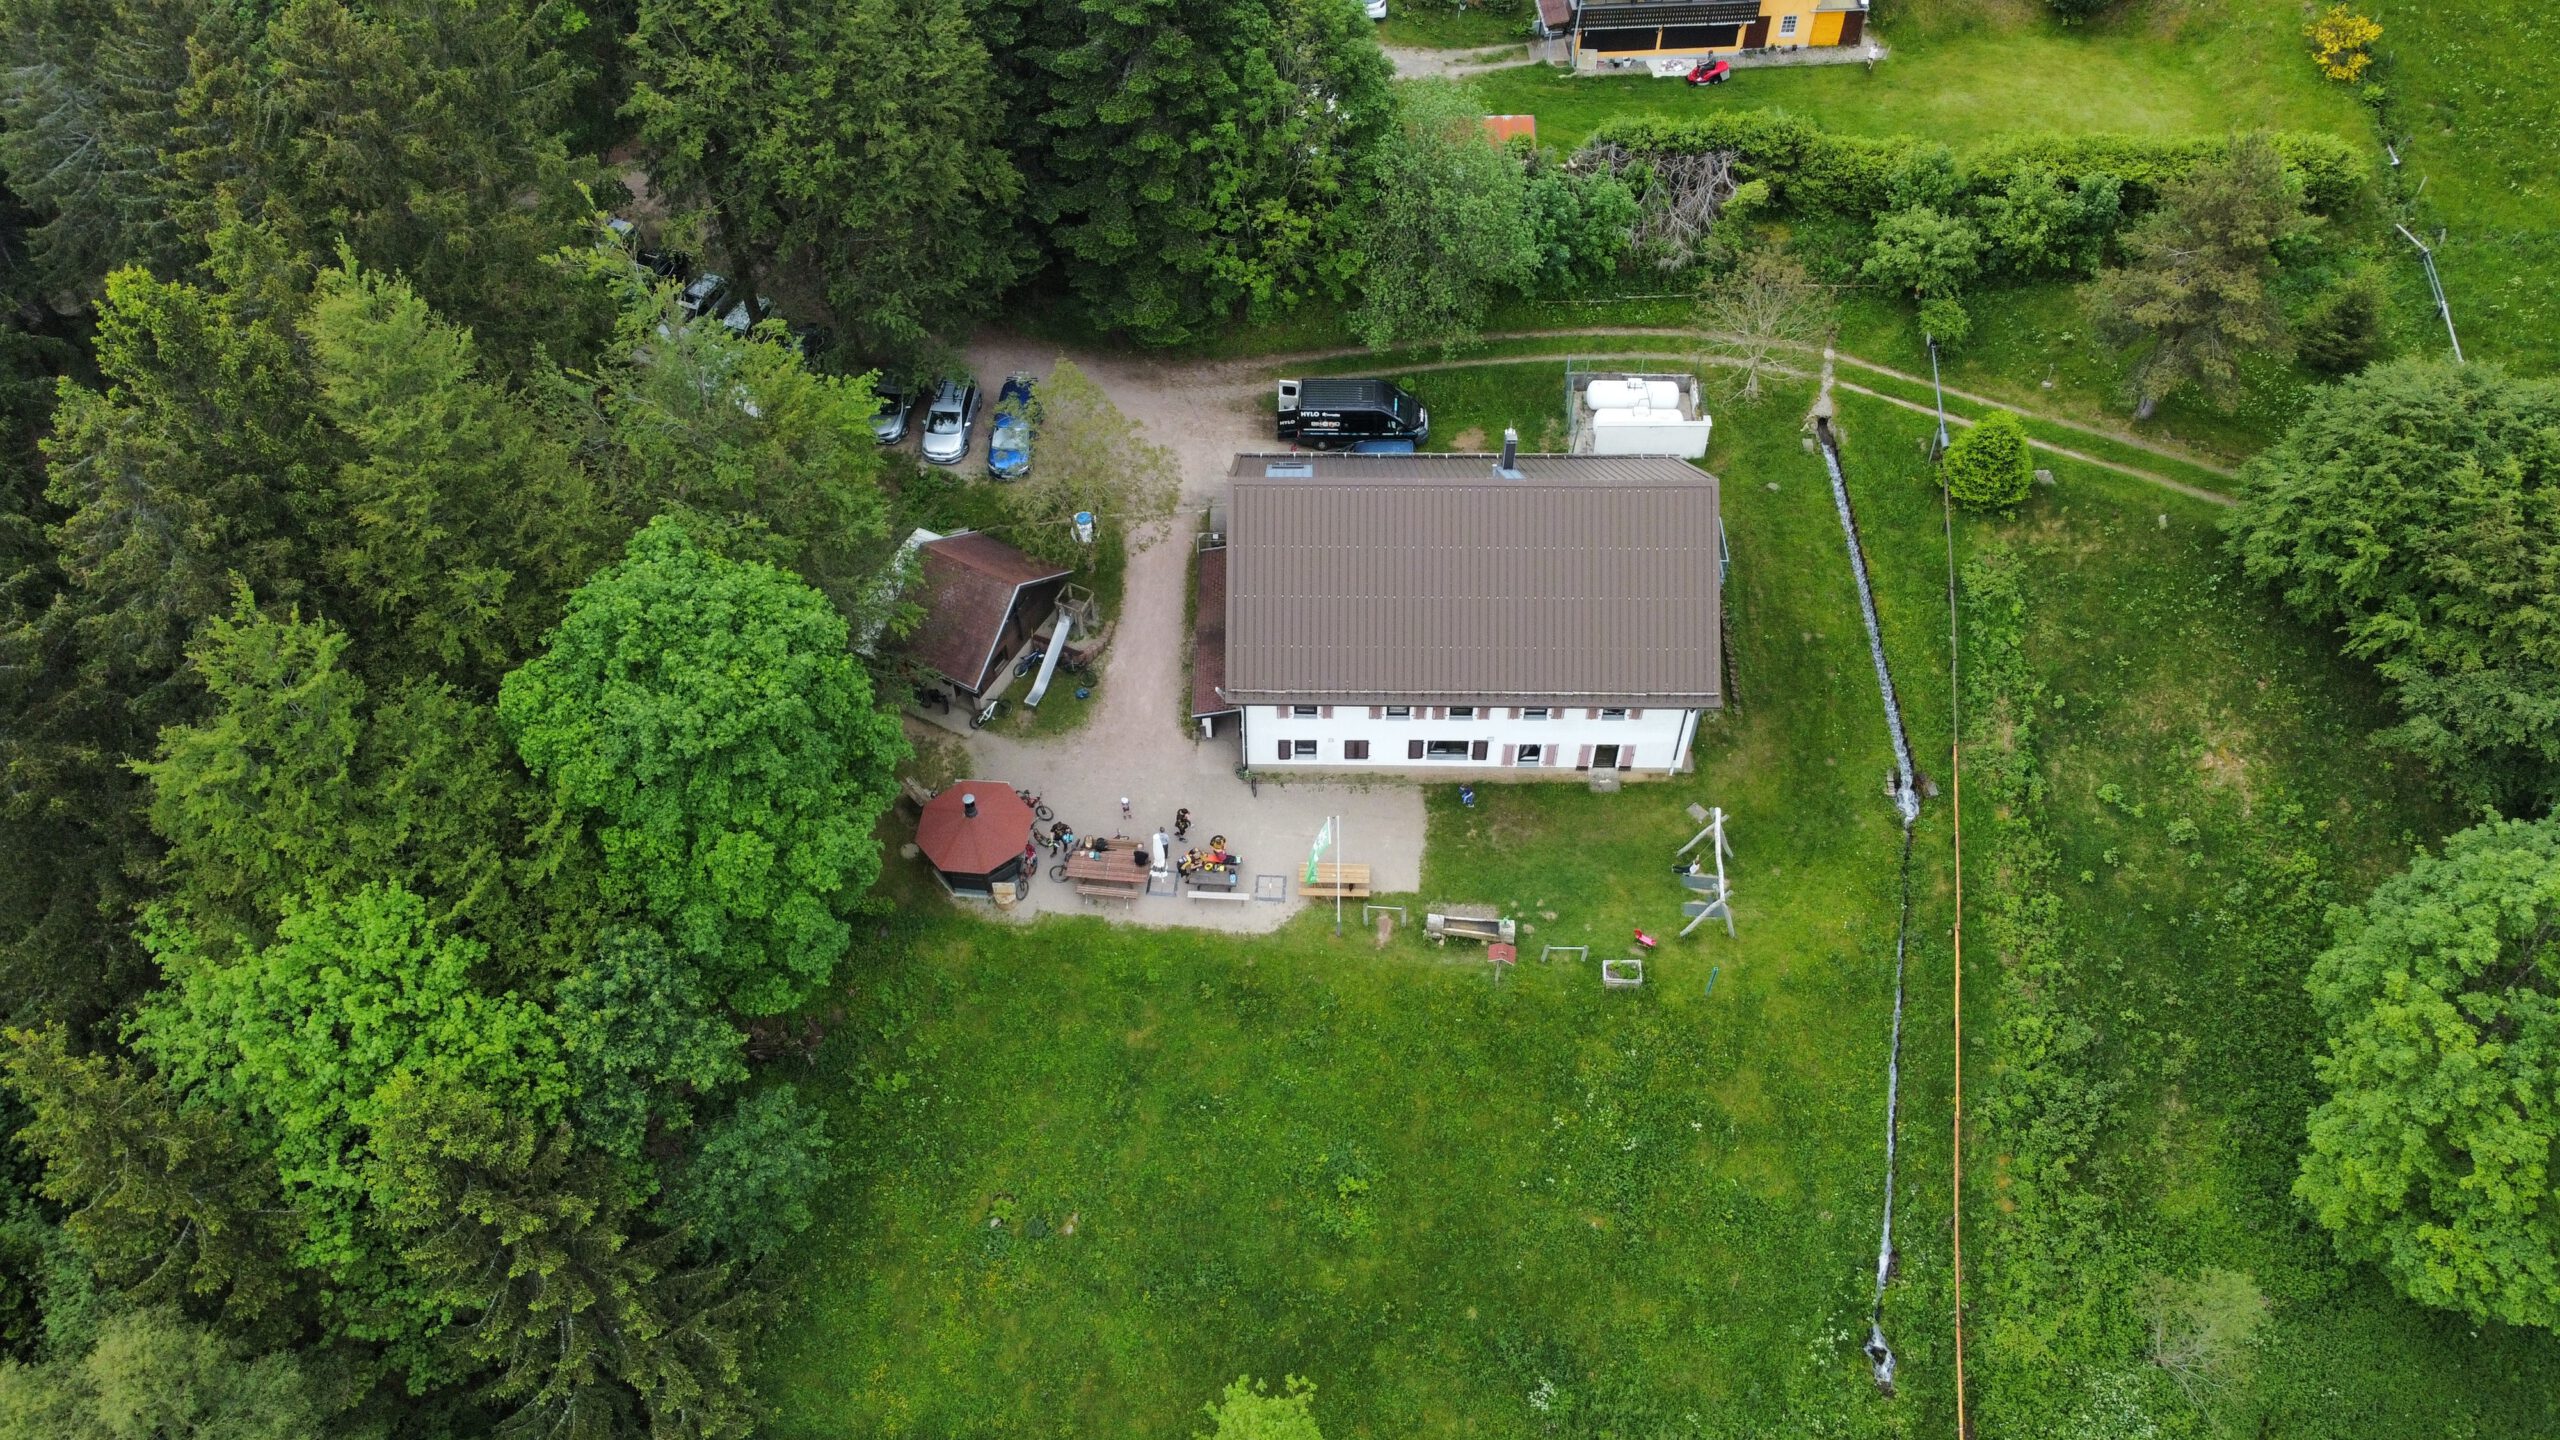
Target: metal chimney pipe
column 1509, row 469
column 969, row 807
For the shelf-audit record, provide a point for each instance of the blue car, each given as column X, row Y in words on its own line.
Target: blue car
column 1009, row 443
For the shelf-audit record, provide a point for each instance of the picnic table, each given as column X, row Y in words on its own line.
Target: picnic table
column 1112, row 869
column 1336, row 882
column 1217, row 874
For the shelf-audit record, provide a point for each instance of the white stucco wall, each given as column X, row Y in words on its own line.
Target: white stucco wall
column 1659, row 737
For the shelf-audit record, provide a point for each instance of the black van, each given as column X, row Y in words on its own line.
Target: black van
column 1332, row 413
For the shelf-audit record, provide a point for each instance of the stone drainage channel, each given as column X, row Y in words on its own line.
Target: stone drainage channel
column 1906, row 803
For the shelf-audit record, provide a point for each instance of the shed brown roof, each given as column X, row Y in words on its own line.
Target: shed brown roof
column 962, row 844
column 1591, row 578
column 1209, row 638
column 971, row 583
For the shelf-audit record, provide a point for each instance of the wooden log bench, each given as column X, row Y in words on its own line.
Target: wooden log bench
column 1336, row 882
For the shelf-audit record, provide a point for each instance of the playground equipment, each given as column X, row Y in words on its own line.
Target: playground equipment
column 1718, row 891
column 1481, row 923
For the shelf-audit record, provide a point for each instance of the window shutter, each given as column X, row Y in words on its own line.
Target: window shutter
column 1280, row 710
column 1592, row 713
column 1515, row 712
column 1510, row 754
column 1377, row 712
column 1413, row 749
column 1584, row 762
column 1549, row 755
column 1626, row 757
column 1439, row 712
column 1327, row 712
column 1476, row 751
column 1284, row 749
column 1355, row 749
column 1635, row 714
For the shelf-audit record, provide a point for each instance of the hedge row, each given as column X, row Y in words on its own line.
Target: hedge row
column 1862, row 177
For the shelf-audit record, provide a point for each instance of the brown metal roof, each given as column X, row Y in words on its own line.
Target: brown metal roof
column 971, row 583
column 959, row 843
column 1395, row 578
column 1209, row 638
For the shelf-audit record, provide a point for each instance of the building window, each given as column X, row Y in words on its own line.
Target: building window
column 1445, row 750
column 1532, row 755
column 1462, row 712
column 1607, row 714
column 1535, row 712
column 1399, row 712
column 1355, row 749
column 1303, row 712
column 1787, row 26
column 1302, row 749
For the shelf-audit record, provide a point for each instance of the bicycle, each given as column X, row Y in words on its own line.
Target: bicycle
column 1245, row 774
column 1038, row 810
column 1058, row 872
column 981, row 718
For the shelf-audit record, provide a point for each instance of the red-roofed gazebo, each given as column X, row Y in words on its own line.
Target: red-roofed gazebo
column 974, row 834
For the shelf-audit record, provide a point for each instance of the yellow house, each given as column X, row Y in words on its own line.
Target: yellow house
column 1643, row 34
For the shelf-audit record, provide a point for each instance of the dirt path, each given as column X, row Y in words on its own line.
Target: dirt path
column 1268, row 363
column 1136, row 744
column 1413, row 64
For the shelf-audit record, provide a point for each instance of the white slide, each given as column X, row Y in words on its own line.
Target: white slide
column 1049, row 663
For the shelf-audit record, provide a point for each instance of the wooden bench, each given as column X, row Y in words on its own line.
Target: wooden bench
column 1336, row 882
column 1118, row 873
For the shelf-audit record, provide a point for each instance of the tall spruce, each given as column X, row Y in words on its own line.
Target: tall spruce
column 1191, row 158
column 862, row 140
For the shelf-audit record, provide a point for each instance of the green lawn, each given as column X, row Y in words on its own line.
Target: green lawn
column 1967, row 74
column 2476, row 95
column 1100, row 1171
column 1441, row 27
column 1376, row 1168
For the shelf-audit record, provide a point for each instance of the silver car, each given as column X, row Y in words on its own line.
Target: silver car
column 949, row 420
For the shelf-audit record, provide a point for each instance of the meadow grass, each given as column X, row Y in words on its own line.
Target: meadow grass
column 1100, row 1171
column 1427, row 26
column 1966, row 74
column 1436, row 1195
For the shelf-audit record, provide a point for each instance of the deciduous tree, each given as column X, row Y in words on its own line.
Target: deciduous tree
column 155, row 1375
column 1767, row 307
column 643, row 1040
column 1448, row 228
column 2196, row 290
column 734, row 760
column 1249, row 1411
column 2430, row 1155
column 1088, row 456
column 745, row 1191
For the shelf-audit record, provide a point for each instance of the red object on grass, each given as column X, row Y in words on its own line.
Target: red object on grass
column 1710, row 72
column 1501, row 954
column 1645, row 940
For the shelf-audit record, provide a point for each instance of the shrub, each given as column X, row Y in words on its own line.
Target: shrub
column 1945, row 320
column 2034, row 222
column 1988, row 466
column 1924, row 252
column 2342, row 331
column 2340, row 41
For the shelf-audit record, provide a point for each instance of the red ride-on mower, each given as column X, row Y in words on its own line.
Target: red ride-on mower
column 1710, row 72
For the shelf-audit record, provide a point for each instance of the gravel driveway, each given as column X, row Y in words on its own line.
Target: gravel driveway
column 1136, row 744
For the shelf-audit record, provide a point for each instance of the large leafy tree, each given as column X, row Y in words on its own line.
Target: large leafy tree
column 1090, row 458
column 425, row 137
column 2415, row 507
column 1448, row 226
column 1188, row 157
column 705, row 712
column 2196, row 291
column 746, row 1190
column 861, row 137
column 2431, row 1155
column 643, row 1040
column 306, row 1036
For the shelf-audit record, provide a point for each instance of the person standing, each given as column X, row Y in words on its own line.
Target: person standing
column 1124, row 807
column 1181, row 824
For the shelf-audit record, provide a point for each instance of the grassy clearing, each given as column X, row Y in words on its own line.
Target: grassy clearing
column 1970, row 73
column 1436, row 27
column 2474, row 96
column 1436, row 1196
column 2205, row 782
